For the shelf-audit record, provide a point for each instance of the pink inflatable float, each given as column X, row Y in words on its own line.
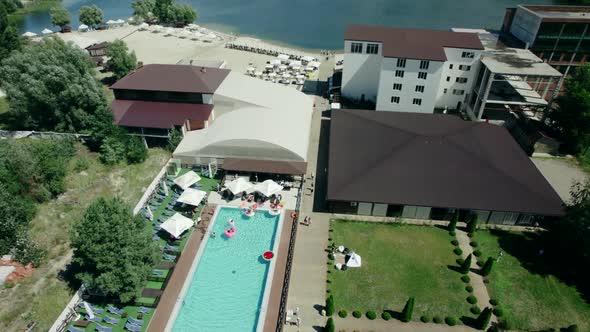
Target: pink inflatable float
column 230, row 232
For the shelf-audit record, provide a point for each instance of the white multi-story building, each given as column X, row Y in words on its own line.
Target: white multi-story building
column 409, row 70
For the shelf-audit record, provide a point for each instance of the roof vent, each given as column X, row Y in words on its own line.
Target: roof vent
column 191, row 62
column 203, row 70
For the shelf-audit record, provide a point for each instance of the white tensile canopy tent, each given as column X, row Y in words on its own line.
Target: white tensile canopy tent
column 82, row 27
column 238, row 185
column 156, row 28
column 308, row 58
column 268, row 188
column 275, row 62
column 177, row 224
column 111, row 22
column 46, row 31
column 192, row 197
column 353, row 260
column 187, row 179
column 314, row 64
column 283, row 57
column 144, row 26
column 29, row 34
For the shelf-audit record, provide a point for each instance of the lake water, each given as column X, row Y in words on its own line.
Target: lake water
column 312, row 23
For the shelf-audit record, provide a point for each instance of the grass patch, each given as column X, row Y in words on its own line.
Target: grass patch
column 530, row 301
column 398, row 262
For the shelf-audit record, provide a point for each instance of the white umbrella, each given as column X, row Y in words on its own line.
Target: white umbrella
column 295, row 63
column 169, row 31
column 82, row 27
column 272, row 74
column 282, row 67
column 29, row 34
column 156, row 28
column 275, row 62
column 314, row 64
column 299, row 76
column 269, row 66
column 144, row 26
column 165, row 188
column 192, row 26
column 250, row 69
column 296, row 67
column 184, row 33
column 308, row 58
column 258, row 73
column 187, row 179
column 192, row 197
column 353, row 260
column 268, row 187
column 120, row 21
column 149, row 213
column 283, row 57
column 309, row 68
column 177, row 224
column 197, row 34
column 238, row 185
column 286, row 75
column 46, row 31
column 111, row 22
column 211, row 35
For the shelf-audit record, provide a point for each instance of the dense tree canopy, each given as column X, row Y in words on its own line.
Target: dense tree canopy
column 59, row 16
column 51, row 86
column 91, row 15
column 121, row 61
column 11, row 5
column 165, row 11
column 143, row 10
column 112, row 250
column 9, row 39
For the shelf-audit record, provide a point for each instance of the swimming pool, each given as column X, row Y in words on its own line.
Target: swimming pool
column 230, row 285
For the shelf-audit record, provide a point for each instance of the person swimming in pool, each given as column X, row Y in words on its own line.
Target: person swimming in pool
column 231, row 221
column 213, row 235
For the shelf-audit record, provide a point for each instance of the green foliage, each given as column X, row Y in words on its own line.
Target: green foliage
column 408, row 310
column 465, row 278
column 143, row 10
column 459, row 261
column 471, row 299
column 572, row 328
column 342, row 313
column 11, row 6
column 474, row 244
column 472, row 225
column 330, row 325
column 469, row 288
column 386, row 315
column 166, row 11
column 59, row 16
column 9, row 39
column 455, row 242
column 330, row 306
column 451, row 321
column 90, row 15
column 483, row 319
column 475, row 310
column 81, row 164
column 111, row 250
column 175, row 139
column 28, row 251
column 51, row 86
column 458, row 251
column 371, row 315
column 425, row 318
column 185, row 14
column 477, row 253
column 487, row 267
column 357, row 314
column 464, row 268
column 499, row 312
column 452, row 233
column 112, row 150
column 494, row 302
column 453, row 222
column 137, row 152
column 121, row 61
column 437, row 319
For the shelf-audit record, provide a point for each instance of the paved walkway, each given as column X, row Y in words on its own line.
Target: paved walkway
column 379, row 325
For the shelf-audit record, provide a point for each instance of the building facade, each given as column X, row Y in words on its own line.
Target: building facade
column 409, row 70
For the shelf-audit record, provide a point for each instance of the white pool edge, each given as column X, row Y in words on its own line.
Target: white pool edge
column 195, row 263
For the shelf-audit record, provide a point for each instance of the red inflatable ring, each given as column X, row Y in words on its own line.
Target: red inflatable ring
column 268, row 255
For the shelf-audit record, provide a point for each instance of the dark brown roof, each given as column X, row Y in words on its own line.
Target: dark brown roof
column 265, row 166
column 433, row 160
column 413, row 43
column 148, row 114
column 176, row 78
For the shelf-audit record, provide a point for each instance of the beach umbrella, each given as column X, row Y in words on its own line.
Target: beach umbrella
column 187, row 179
column 212, row 35
column 283, row 57
column 258, row 73
column 268, row 188
column 300, row 76
column 308, row 58
column 144, row 26
column 29, row 34
column 82, row 27
column 295, row 67
column 282, row 67
column 177, row 224
column 275, row 62
column 156, row 28
column 165, row 188
column 309, row 68
column 269, row 66
column 169, row 31
column 111, row 22
column 149, row 213
column 120, row 21
column 272, row 74
column 249, row 69
column 192, row 197
column 286, row 75
column 314, row 64
column 46, row 31
column 295, row 63
column 238, row 185
column 184, row 33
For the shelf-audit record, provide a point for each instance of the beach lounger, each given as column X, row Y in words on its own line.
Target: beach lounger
column 169, row 248
column 155, row 238
column 101, row 328
column 158, row 272
column 96, row 310
column 169, row 213
column 96, row 319
column 114, row 310
column 157, row 227
column 134, row 321
column 74, row 329
column 168, row 257
column 144, row 310
column 111, row 320
column 133, row 328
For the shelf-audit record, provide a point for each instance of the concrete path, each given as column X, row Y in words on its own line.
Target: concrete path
column 379, row 325
column 561, row 174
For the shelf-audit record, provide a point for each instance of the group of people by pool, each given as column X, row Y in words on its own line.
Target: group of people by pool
column 229, row 232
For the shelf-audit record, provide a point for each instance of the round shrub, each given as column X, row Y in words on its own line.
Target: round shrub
column 498, row 312
column 425, row 318
column 458, row 251
column 465, row 278
column 342, row 313
column 475, row 310
column 572, row 328
column 460, row 261
column 486, row 280
column 455, row 242
column 480, row 263
column 386, row 315
column 494, row 302
column 331, row 256
column 371, row 315
column 452, row 233
column 471, row 299
column 469, row 289
column 437, row 319
column 470, row 234
column 474, row 244
column 451, row 321
column 357, row 314
column 477, row 253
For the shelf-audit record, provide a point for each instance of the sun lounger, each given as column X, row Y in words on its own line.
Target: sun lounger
column 155, row 238
column 168, row 257
column 157, row 227
column 74, row 329
column 111, row 320
column 134, row 321
column 114, row 310
column 101, row 328
column 96, row 319
column 133, row 328
column 144, row 310
column 169, row 248
column 158, row 272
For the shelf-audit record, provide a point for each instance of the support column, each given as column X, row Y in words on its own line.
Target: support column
column 485, row 94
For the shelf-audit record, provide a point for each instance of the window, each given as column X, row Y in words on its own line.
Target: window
column 401, row 63
column 424, row 64
column 422, row 75
column 451, row 66
column 461, row 80
column 399, row 73
column 395, row 100
column 356, row 48
column 468, row 55
column 419, row 88
column 464, row 67
column 458, row 92
column 397, row 86
column 448, row 78
column 372, row 48
column 445, row 90
column 417, row 101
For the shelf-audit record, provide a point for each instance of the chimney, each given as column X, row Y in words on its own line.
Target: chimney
column 203, row 70
column 191, row 62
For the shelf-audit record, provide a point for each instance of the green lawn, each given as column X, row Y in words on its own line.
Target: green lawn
column 398, row 262
column 531, row 301
column 132, row 311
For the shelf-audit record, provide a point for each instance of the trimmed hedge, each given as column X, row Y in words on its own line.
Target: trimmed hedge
column 465, row 278
column 386, row 315
column 498, row 312
column 477, row 253
column 475, row 310
column 494, row 302
column 458, row 251
column 371, row 315
column 437, row 319
column 459, row 261
column 452, row 233
column 342, row 313
column 357, row 314
column 474, row 244
column 451, row 321
column 330, row 306
column 469, row 288
column 455, row 242
column 480, row 263
column 471, row 299
column 425, row 318
column 330, row 325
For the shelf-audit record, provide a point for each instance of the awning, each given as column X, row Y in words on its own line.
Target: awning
column 265, row 166
column 191, row 196
column 177, row 224
column 187, row 179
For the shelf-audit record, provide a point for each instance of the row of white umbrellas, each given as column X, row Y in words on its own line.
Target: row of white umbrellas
column 267, row 188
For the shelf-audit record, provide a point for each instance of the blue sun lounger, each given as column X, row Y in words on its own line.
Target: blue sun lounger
column 169, row 248
column 74, row 329
column 168, row 257
column 157, row 273
column 144, row 310
column 101, row 328
column 133, row 328
column 114, row 310
column 111, row 320
column 134, row 321
column 96, row 319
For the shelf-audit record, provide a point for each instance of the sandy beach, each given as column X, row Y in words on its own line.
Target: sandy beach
column 151, row 47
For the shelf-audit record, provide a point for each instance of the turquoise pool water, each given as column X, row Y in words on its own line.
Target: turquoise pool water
column 226, row 291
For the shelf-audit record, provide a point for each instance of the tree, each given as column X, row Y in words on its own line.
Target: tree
column 453, row 222
column 51, row 86
column 121, row 61
column 472, row 225
column 136, row 150
column 330, row 325
column 408, row 310
column 483, row 319
column 330, row 306
column 59, row 16
column 111, row 249
column 9, row 39
column 174, row 139
column 466, row 265
column 90, row 15
column 185, row 14
column 143, row 10
column 487, row 267
column 166, row 11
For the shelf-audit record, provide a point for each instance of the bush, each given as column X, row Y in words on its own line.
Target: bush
column 174, row 139
column 330, row 325
column 494, row 302
column 330, row 306
column 498, row 312
column 455, row 242
column 572, row 328
column 487, row 267
column 112, row 150
column 453, row 222
column 406, row 315
column 483, row 319
column 474, row 244
column 425, row 318
column 28, row 251
column 475, row 310
column 479, row 263
column 136, row 150
column 471, row 299
column 357, row 314
column 465, row 278
column 452, row 233
column 458, row 251
column 460, row 261
column 504, row 324
column 472, row 226
column 81, row 164
column 331, row 256
column 342, row 313
column 8, row 284
column 464, row 268
column 386, row 315
column 371, row 315
column 451, row 321
column 469, row 288
column 477, row 253
column 470, row 234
